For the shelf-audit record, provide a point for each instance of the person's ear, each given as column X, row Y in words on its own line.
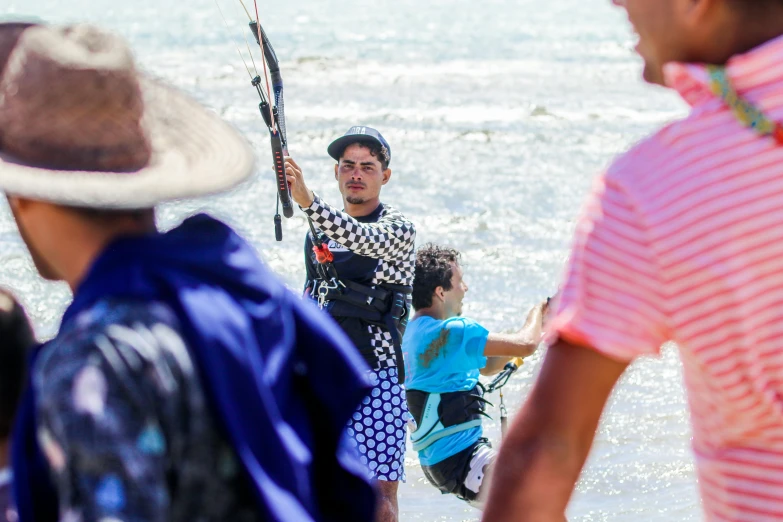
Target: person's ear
column 336, row 165
column 386, row 176
column 440, row 293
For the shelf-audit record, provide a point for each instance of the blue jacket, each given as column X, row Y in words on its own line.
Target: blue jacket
column 250, row 338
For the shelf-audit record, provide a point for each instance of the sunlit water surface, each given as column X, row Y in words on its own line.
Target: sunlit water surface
column 499, row 114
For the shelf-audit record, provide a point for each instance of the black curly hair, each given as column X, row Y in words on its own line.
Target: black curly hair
column 434, row 268
column 16, row 339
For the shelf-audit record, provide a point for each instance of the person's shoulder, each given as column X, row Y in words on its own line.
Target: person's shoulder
column 424, row 326
column 460, row 323
column 654, row 160
column 392, row 213
column 637, row 162
column 125, row 312
column 417, row 323
column 136, row 325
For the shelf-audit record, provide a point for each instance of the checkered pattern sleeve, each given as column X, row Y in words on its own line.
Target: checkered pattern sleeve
column 391, row 238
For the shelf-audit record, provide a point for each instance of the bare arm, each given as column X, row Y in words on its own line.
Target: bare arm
column 501, row 348
column 549, row 441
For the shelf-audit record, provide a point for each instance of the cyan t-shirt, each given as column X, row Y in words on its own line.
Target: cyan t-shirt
column 441, row 357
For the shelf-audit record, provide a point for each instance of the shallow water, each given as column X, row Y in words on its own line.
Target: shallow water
column 499, row 114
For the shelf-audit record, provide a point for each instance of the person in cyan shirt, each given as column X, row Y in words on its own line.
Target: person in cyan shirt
column 444, row 355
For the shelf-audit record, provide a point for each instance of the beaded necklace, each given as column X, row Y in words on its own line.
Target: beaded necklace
column 745, row 112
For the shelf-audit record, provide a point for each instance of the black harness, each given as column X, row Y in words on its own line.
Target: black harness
column 384, row 305
column 355, row 305
column 438, row 415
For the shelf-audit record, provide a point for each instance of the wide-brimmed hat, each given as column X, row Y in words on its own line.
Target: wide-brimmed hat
column 80, row 126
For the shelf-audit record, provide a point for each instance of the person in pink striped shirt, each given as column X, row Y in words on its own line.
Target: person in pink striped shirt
column 681, row 240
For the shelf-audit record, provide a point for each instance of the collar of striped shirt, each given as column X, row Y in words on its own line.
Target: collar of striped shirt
column 748, row 72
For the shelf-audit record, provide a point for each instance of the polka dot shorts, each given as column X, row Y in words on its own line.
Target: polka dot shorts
column 378, row 427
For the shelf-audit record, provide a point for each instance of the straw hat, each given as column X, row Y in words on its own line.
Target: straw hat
column 80, row 126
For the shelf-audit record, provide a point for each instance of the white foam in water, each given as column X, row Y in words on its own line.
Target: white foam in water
column 499, row 114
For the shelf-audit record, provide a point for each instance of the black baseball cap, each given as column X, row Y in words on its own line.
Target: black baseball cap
column 358, row 134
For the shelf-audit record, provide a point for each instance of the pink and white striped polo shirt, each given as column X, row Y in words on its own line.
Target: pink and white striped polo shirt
column 682, row 240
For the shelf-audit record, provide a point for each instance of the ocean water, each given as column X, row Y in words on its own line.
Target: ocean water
column 499, row 114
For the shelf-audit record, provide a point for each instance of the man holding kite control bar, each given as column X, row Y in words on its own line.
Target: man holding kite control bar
column 360, row 269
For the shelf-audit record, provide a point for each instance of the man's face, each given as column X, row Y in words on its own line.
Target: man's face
column 453, row 297
column 360, row 175
column 663, row 37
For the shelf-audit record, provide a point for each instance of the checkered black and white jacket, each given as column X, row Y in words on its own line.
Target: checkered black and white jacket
column 390, row 240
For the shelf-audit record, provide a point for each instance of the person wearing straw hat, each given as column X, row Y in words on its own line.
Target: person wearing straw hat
column 179, row 386
column 444, row 355
column 680, row 240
